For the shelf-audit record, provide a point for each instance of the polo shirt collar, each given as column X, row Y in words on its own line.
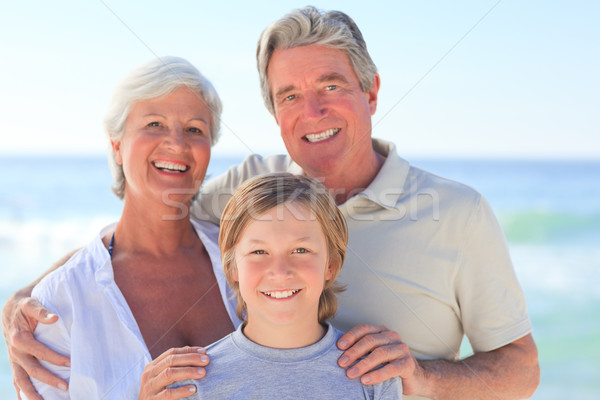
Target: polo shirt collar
column 388, row 186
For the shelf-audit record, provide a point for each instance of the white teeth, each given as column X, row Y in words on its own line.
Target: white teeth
column 315, row 137
column 170, row 166
column 281, row 294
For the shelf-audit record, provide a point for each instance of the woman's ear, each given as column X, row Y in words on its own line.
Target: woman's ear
column 116, row 147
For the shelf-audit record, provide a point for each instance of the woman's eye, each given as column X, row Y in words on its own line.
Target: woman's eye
column 300, row 250
column 258, row 252
column 154, row 123
column 197, row 131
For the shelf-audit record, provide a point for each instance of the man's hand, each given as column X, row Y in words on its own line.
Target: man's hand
column 20, row 316
column 379, row 346
column 173, row 365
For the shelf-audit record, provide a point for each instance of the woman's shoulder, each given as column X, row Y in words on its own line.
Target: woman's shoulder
column 74, row 275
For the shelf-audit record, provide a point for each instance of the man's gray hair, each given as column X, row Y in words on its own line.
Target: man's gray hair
column 310, row 26
column 157, row 78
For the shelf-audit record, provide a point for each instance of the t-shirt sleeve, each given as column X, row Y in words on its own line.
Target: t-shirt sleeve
column 492, row 304
column 388, row 390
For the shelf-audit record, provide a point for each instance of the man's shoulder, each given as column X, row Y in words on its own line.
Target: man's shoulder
column 448, row 188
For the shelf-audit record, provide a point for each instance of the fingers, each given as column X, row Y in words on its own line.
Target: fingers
column 35, row 311
column 25, row 345
column 177, row 393
column 21, row 382
column 29, row 366
column 174, row 365
column 357, row 333
column 364, row 339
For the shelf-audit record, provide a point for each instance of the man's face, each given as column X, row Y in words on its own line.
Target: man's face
column 324, row 116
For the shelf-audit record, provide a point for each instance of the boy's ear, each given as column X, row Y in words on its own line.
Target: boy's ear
column 329, row 271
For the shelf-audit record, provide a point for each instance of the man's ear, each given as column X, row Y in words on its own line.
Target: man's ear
column 372, row 93
column 116, row 147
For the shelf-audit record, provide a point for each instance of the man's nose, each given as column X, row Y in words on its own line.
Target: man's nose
column 314, row 106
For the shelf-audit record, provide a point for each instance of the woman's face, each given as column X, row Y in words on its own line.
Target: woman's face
column 165, row 149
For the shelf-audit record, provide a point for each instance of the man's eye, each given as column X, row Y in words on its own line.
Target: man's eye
column 331, row 87
column 300, row 250
column 290, row 97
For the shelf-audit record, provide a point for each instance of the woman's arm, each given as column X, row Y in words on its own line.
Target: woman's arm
column 20, row 316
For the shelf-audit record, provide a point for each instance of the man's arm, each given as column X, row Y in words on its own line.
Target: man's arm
column 509, row 372
column 20, row 316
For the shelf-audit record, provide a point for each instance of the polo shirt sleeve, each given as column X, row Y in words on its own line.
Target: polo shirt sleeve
column 214, row 195
column 492, row 304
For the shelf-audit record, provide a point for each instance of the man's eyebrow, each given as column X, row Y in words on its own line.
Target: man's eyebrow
column 332, row 77
column 284, row 90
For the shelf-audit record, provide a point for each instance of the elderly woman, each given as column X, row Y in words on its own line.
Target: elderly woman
column 152, row 281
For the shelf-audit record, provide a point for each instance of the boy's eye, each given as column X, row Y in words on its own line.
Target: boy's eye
column 258, row 252
column 300, row 250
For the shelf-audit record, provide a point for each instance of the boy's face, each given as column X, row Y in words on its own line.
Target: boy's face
column 281, row 261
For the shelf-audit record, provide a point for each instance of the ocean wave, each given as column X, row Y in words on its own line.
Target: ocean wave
column 540, row 226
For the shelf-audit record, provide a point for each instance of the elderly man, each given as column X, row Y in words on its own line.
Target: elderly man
column 427, row 262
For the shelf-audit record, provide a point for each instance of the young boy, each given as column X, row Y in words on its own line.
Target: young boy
column 283, row 242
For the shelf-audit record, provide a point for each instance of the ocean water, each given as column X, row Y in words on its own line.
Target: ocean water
column 549, row 210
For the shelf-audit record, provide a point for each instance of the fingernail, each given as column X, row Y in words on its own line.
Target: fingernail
column 68, row 364
column 203, row 358
column 352, row 372
column 201, row 371
column 365, row 379
column 343, row 343
column 344, row 360
column 50, row 315
column 63, row 386
column 201, row 351
column 192, row 389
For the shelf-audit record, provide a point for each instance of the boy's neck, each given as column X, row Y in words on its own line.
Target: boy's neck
column 286, row 336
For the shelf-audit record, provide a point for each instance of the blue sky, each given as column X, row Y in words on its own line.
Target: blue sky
column 465, row 78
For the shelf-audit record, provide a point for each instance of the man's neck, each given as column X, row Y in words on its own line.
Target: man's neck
column 345, row 184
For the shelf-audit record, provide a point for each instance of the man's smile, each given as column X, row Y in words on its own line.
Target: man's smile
column 317, row 137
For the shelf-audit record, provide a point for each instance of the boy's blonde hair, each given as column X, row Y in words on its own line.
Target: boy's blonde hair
column 259, row 195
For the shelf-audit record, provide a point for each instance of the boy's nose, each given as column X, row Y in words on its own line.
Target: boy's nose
column 280, row 268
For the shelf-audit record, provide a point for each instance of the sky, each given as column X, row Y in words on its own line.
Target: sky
column 483, row 78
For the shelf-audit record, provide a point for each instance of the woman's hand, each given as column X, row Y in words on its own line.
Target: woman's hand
column 379, row 346
column 173, row 365
column 20, row 316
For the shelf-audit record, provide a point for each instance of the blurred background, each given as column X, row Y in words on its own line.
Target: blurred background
column 500, row 95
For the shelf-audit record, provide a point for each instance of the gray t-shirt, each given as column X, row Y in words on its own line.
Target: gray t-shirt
column 242, row 369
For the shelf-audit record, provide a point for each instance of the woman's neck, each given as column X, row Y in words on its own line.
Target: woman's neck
column 155, row 230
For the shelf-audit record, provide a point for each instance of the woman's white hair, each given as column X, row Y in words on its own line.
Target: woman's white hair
column 155, row 79
column 310, row 26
